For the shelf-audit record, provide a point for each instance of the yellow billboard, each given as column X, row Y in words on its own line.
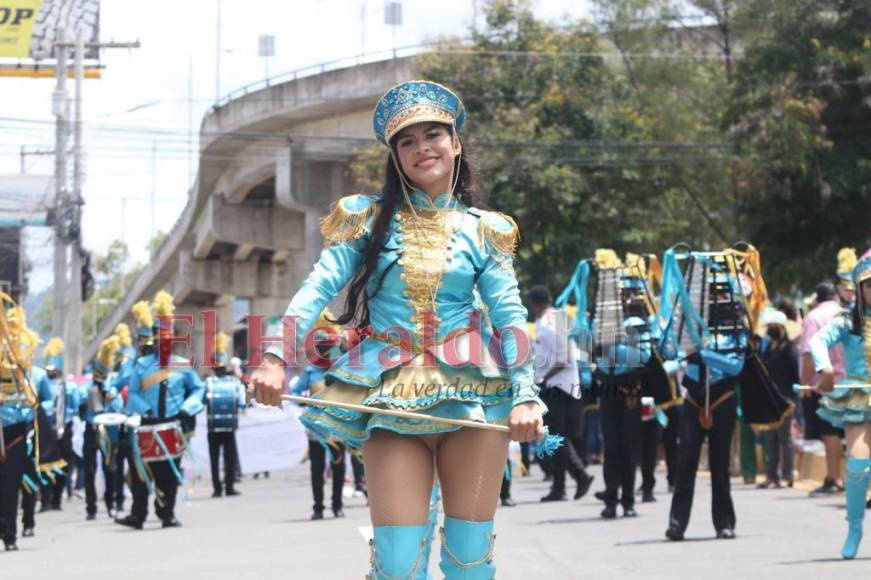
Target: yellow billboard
column 28, row 28
column 17, row 18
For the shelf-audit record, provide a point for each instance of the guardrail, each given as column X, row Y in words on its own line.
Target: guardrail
column 320, row 68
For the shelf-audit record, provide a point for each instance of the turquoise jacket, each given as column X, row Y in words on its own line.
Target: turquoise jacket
column 184, row 393
column 73, row 399
column 14, row 410
column 467, row 251
column 840, row 331
column 121, row 379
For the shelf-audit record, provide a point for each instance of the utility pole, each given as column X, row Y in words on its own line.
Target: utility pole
column 59, row 108
column 67, row 311
column 73, row 341
column 24, row 152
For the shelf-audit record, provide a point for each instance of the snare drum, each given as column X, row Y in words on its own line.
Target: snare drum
column 110, row 423
column 223, row 406
column 168, row 433
column 110, row 419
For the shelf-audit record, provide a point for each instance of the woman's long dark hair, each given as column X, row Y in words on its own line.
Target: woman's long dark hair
column 467, row 190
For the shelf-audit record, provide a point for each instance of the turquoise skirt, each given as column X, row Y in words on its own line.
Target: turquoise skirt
column 843, row 407
column 436, row 391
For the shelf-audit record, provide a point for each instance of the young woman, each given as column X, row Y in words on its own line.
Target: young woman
column 431, row 273
column 850, row 409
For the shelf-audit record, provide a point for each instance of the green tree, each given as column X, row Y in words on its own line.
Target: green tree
column 589, row 141
column 113, row 261
column 800, row 118
column 706, row 122
column 155, row 242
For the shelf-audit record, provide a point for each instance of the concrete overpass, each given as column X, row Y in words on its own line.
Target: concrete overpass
column 271, row 162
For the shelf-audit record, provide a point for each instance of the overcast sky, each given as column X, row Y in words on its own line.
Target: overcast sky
column 156, row 81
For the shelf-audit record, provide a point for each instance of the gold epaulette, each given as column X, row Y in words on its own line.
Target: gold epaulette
column 348, row 219
column 500, row 231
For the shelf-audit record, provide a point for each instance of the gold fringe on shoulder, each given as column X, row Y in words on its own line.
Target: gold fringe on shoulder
column 345, row 225
column 492, row 231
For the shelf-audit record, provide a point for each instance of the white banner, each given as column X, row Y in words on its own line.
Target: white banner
column 268, row 439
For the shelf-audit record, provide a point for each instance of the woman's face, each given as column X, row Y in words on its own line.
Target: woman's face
column 866, row 292
column 847, row 294
column 426, row 153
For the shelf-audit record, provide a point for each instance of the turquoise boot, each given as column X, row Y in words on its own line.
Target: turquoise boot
column 432, row 523
column 467, row 550
column 397, row 553
column 857, row 486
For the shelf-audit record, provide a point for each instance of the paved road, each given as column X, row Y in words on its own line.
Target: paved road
column 265, row 533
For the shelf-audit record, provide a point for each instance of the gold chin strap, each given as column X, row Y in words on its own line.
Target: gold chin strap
column 403, row 181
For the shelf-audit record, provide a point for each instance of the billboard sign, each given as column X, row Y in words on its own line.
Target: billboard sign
column 28, row 28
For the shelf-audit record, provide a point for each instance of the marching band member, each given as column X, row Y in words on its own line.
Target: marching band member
column 721, row 360
column 311, row 382
column 414, row 257
column 850, row 408
column 165, row 391
column 60, row 411
column 101, row 397
column 621, row 364
column 22, row 388
column 125, row 358
column 224, row 399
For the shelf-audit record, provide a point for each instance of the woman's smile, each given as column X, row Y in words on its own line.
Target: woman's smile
column 427, row 163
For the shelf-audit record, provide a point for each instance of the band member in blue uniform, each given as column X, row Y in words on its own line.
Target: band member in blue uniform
column 125, row 357
column 321, row 453
column 98, row 397
column 225, row 399
column 22, row 389
column 60, row 412
column 847, row 404
column 166, row 393
column 719, row 304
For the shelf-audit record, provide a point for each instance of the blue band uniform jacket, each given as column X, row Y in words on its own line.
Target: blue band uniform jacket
column 184, row 392
column 441, row 261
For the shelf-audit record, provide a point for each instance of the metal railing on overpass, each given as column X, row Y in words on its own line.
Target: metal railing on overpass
column 320, row 68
